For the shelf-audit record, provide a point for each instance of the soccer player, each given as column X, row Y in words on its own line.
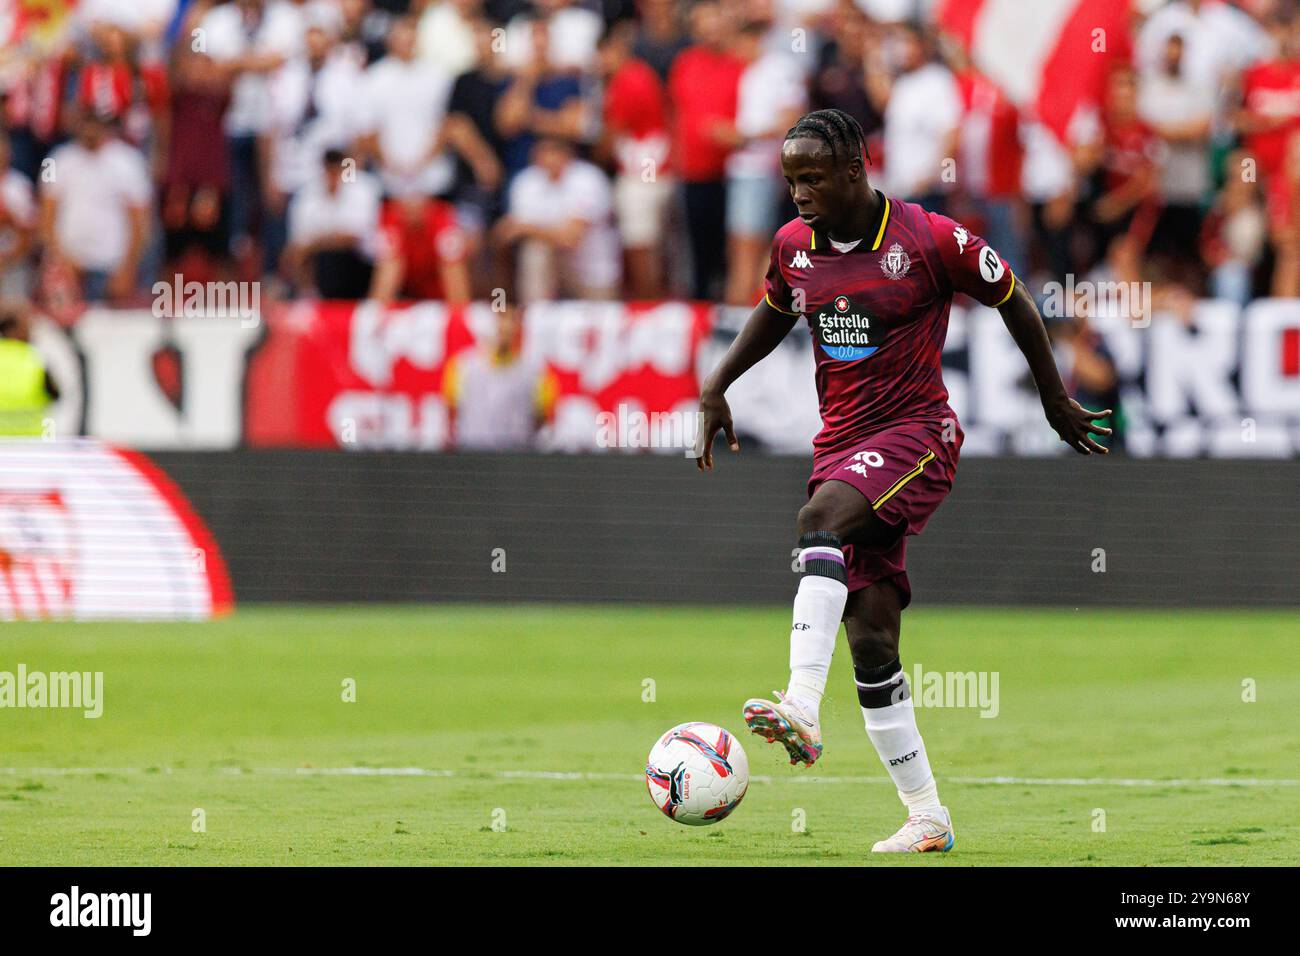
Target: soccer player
column 875, row 278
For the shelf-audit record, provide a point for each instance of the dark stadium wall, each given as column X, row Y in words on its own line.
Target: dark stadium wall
column 338, row 527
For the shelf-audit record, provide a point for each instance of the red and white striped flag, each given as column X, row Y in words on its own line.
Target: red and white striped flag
column 1051, row 57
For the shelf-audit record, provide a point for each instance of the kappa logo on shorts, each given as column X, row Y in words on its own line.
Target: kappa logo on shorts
column 863, row 460
column 845, row 333
column 801, row 260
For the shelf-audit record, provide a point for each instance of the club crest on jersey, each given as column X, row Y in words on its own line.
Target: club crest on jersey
column 801, row 260
column 895, row 263
column 844, row 332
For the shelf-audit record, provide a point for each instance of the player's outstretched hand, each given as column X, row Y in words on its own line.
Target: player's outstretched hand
column 1076, row 425
column 715, row 414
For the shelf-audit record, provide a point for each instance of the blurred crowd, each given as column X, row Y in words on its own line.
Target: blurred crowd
column 447, row 149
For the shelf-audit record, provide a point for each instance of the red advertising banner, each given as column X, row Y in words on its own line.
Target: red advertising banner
column 368, row 376
column 1221, row 381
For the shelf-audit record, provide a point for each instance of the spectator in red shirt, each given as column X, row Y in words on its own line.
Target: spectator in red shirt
column 703, row 88
column 106, row 85
column 425, row 252
column 1128, row 203
column 636, row 138
column 35, row 102
column 1284, row 213
column 990, row 156
column 1268, row 121
column 1270, row 110
column 118, row 82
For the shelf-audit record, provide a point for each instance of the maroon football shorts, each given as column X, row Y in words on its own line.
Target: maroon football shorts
column 905, row 471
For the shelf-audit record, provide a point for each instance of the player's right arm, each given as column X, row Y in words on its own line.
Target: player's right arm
column 770, row 322
column 763, row 332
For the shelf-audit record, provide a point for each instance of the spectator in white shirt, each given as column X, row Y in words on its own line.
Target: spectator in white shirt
column 17, row 227
column 922, row 118
column 446, row 34
column 560, row 222
column 1180, row 111
column 334, row 234
column 405, row 101
column 771, row 98
column 144, row 20
column 313, row 108
column 252, row 40
column 890, row 11
column 94, row 211
column 1219, row 42
column 573, row 35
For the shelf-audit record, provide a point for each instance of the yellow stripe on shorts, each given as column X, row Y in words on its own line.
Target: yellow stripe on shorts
column 897, row 486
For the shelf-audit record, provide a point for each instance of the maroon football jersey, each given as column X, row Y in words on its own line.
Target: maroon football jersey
column 879, row 314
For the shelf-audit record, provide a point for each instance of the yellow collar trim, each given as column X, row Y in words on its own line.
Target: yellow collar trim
column 884, row 221
column 880, row 236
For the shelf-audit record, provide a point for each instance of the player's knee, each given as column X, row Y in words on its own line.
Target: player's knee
column 808, row 518
column 872, row 646
column 839, row 509
column 818, row 515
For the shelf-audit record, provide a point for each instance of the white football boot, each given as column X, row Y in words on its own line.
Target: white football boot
column 929, row 831
column 785, row 721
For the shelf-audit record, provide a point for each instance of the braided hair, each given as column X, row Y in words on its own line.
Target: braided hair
column 841, row 133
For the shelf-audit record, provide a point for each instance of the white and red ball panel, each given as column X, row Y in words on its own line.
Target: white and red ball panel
column 697, row 773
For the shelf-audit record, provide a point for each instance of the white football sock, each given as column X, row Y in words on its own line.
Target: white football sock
column 818, row 607
column 893, row 731
column 923, row 798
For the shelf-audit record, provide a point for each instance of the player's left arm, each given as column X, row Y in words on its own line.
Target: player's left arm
column 1075, row 424
column 975, row 268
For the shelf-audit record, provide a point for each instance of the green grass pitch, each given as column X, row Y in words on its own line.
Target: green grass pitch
column 1117, row 723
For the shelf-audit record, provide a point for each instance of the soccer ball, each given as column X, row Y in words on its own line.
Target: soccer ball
column 697, row 773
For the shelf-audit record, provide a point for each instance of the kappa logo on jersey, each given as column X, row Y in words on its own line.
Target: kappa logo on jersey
column 845, row 333
column 991, row 267
column 801, row 260
column 895, row 263
column 962, row 237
